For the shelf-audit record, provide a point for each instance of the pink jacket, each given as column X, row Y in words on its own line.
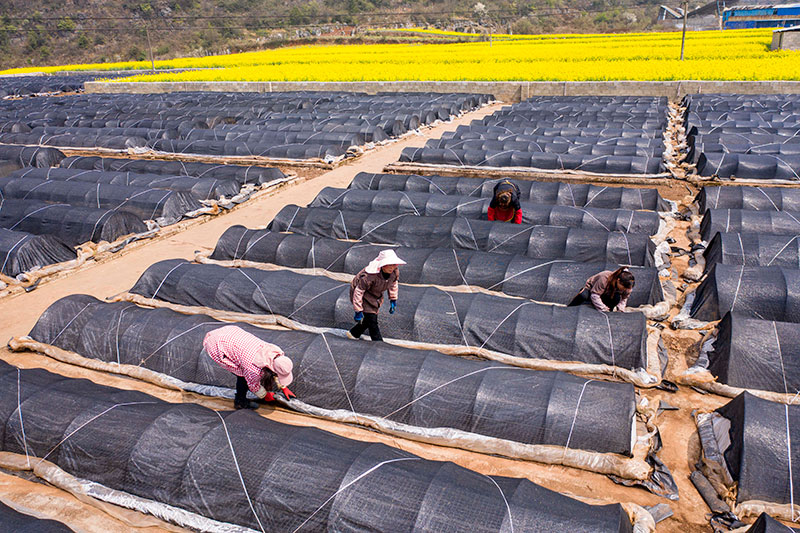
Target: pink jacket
column 242, row 353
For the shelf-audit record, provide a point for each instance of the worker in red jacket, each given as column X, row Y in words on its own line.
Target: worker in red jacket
column 260, row 367
column 366, row 292
column 505, row 206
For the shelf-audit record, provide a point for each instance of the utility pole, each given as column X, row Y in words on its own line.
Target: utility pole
column 683, row 37
column 153, row 63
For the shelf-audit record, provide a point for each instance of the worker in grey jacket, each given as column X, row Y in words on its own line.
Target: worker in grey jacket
column 366, row 292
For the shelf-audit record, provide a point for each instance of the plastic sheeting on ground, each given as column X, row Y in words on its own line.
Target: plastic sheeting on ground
column 749, row 448
column 428, row 315
column 161, row 205
column 746, row 221
column 753, row 249
column 241, row 174
column 31, row 156
column 72, row 225
column 22, row 252
column 750, row 198
column 206, row 469
column 540, row 242
column 542, row 192
column 767, row 293
column 419, row 388
column 426, row 204
column 542, row 280
column 199, row 188
column 12, row 521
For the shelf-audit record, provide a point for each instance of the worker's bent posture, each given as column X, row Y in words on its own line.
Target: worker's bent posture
column 505, row 206
column 366, row 292
column 607, row 290
column 260, row 367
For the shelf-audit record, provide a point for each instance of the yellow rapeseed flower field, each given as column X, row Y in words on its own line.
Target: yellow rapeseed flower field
column 710, row 55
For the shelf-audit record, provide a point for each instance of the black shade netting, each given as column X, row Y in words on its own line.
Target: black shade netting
column 425, row 314
column 746, row 221
column 238, row 467
column 70, row 224
column 199, row 188
column 541, row 192
column 602, row 164
column 555, row 281
column 416, row 387
column 753, row 249
column 12, row 521
column 432, row 205
column 31, row 156
column 247, row 149
column 751, row 198
column 66, row 140
column 22, row 252
column 241, row 174
column 749, row 166
column 756, row 354
column 764, row 442
column 162, row 205
column 766, row 524
column 539, row 242
column 767, row 293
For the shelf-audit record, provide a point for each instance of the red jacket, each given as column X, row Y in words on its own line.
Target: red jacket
column 506, row 215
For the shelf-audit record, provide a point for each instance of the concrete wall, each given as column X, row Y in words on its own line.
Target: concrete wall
column 786, row 40
column 507, row 91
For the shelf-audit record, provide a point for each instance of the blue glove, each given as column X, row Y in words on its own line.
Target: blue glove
column 392, row 306
column 359, row 316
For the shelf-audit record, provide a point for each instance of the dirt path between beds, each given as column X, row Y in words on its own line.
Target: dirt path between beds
column 19, row 313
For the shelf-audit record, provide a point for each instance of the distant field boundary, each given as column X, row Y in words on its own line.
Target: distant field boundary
column 507, row 91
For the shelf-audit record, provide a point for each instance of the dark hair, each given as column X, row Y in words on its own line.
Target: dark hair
column 268, row 380
column 625, row 278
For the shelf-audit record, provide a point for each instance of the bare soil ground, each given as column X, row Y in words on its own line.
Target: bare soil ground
column 19, row 313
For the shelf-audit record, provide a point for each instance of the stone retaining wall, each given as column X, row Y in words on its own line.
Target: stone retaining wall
column 507, row 91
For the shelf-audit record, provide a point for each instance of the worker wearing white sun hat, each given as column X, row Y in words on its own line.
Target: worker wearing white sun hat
column 366, row 292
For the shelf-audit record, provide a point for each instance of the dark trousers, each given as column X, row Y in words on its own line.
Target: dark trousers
column 241, row 390
column 369, row 322
column 585, row 297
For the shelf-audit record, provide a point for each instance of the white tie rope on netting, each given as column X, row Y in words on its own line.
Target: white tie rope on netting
column 458, row 320
column 610, row 344
column 8, row 255
column 21, row 424
column 239, row 471
column 759, row 189
column 401, row 215
column 471, row 233
column 165, row 278
column 341, row 380
column 358, row 478
column 498, row 245
column 458, row 267
column 502, row 321
column 575, row 417
column 176, row 337
column 528, row 270
column 466, row 203
column 258, row 287
column 326, row 291
column 69, row 323
column 508, row 507
column 443, row 385
column 292, row 220
column 95, row 417
column 116, row 333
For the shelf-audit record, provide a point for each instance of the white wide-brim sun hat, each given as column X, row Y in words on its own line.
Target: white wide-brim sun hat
column 386, row 257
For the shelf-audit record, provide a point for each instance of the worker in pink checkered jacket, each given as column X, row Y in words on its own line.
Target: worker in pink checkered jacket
column 260, row 367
